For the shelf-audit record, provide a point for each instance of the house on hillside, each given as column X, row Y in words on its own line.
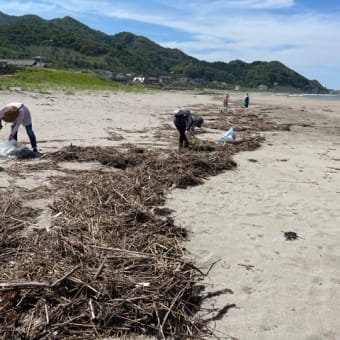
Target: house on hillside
column 138, row 80
column 13, row 64
column 19, row 62
column 263, row 87
column 120, row 77
column 8, row 66
column 164, row 79
column 152, row 80
column 40, row 61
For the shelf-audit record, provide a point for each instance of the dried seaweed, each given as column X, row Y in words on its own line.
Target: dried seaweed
column 112, row 263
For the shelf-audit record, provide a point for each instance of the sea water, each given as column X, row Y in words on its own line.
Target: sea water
column 311, row 95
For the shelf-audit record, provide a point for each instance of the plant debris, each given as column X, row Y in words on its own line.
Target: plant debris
column 290, row 235
column 112, row 263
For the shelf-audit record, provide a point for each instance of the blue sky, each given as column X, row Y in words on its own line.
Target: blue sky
column 302, row 34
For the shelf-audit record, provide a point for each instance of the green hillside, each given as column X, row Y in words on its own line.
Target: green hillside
column 75, row 45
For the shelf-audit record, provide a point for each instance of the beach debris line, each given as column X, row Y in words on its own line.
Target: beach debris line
column 110, row 264
column 247, row 122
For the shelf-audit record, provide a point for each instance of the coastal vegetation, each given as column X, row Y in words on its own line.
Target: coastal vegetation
column 69, row 44
column 43, row 78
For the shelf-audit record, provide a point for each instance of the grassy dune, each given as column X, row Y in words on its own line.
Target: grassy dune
column 44, row 79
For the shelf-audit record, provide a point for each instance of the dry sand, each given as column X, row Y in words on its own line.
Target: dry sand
column 282, row 289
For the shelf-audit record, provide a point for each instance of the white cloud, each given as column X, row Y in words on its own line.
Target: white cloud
column 217, row 5
column 253, row 4
column 305, row 43
column 149, row 11
column 218, row 30
column 26, row 7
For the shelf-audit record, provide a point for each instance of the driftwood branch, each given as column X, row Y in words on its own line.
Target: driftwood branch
column 24, row 285
column 34, row 284
column 64, row 277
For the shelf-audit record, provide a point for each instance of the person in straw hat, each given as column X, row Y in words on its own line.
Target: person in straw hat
column 18, row 114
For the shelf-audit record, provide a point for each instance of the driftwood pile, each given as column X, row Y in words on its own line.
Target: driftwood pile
column 243, row 120
column 112, row 262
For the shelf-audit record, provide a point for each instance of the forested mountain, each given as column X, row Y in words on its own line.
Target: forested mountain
column 75, row 45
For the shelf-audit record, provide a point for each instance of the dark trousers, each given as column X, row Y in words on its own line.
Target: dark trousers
column 30, row 135
column 180, row 123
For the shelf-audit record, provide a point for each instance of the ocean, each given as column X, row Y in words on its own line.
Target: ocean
column 311, row 95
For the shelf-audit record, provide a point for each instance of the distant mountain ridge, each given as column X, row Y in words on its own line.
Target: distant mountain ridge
column 76, row 45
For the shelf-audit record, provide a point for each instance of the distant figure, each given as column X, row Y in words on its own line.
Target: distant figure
column 18, row 114
column 185, row 124
column 225, row 99
column 246, row 100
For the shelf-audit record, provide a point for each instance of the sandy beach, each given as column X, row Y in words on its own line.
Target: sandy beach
column 279, row 288
column 282, row 289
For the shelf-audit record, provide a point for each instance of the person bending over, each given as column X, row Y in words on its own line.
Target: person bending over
column 185, row 123
column 18, row 114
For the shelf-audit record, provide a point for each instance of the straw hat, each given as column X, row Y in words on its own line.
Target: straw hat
column 10, row 114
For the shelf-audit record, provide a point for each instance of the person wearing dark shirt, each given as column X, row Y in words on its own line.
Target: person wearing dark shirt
column 246, row 100
column 185, row 123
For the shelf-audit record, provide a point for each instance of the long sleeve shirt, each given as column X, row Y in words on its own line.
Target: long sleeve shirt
column 24, row 116
column 185, row 116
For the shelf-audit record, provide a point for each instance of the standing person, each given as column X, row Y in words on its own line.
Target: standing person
column 246, row 100
column 18, row 114
column 225, row 99
column 186, row 123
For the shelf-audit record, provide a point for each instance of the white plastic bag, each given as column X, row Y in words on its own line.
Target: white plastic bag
column 12, row 148
column 228, row 136
column 8, row 146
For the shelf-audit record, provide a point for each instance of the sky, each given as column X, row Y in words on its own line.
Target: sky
column 301, row 34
